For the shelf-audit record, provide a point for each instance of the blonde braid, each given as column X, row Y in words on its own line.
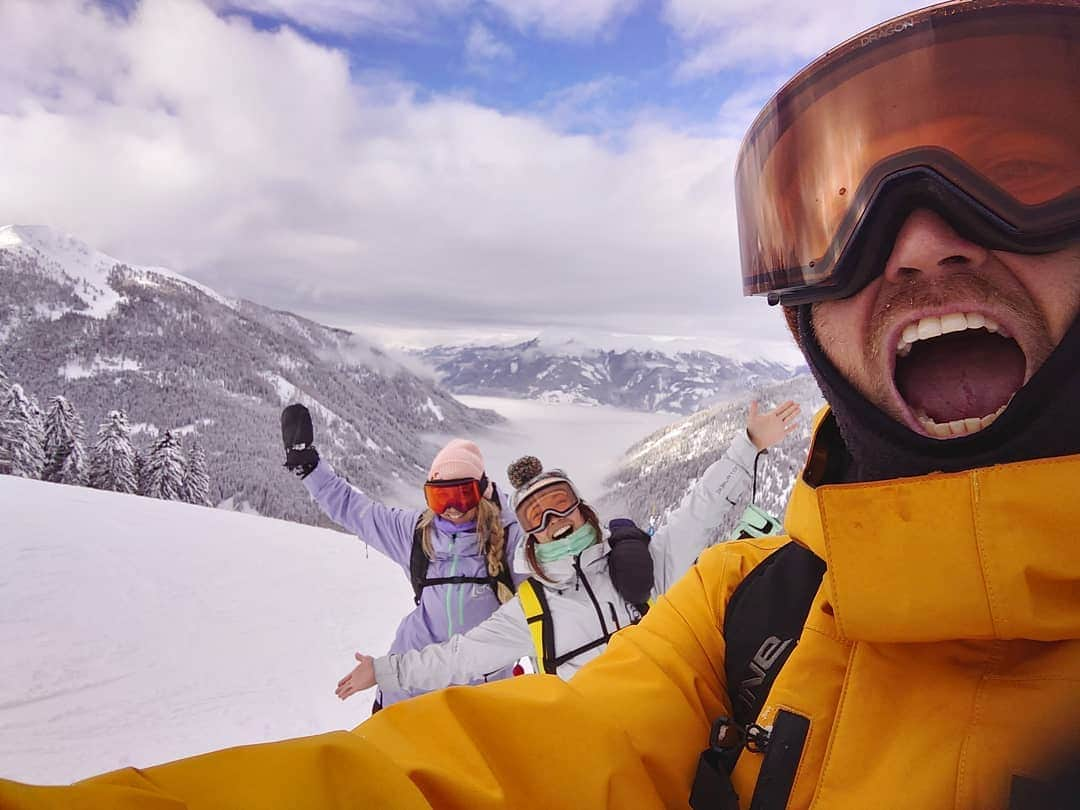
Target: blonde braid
column 492, row 538
column 424, row 525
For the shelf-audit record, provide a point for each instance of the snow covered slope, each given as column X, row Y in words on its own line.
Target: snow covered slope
column 173, row 353
column 136, row 631
column 64, row 258
column 656, row 472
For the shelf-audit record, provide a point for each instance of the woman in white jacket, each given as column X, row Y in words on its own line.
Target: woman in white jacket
column 586, row 585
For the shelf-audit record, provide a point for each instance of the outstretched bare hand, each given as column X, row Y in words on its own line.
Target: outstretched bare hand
column 362, row 677
column 768, row 429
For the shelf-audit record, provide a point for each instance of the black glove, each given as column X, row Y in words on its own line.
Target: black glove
column 298, row 436
column 630, row 562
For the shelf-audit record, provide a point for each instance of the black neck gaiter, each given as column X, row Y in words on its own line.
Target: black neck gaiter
column 1042, row 421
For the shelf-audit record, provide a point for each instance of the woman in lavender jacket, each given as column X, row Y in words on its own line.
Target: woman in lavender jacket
column 468, row 533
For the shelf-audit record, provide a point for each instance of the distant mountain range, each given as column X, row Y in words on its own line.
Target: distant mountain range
column 656, row 472
column 647, row 380
column 178, row 356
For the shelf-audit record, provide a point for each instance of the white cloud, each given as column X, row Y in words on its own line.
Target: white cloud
column 590, row 105
column 562, row 19
column 254, row 162
column 765, row 34
column 483, row 47
column 572, row 19
column 406, row 18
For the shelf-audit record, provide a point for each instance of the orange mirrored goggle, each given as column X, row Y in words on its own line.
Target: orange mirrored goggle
column 462, row 494
column 541, row 507
column 970, row 109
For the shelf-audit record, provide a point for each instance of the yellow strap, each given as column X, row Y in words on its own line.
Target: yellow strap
column 534, row 615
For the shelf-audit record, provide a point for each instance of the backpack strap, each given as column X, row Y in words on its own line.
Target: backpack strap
column 764, row 618
column 538, row 617
column 762, row 624
column 419, row 562
column 542, row 626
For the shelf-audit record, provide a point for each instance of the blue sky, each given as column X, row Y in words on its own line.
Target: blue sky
column 422, row 170
column 628, row 66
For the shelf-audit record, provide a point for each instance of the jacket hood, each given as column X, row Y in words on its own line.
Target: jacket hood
column 987, row 553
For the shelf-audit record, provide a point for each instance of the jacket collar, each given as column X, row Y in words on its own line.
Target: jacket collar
column 988, row 553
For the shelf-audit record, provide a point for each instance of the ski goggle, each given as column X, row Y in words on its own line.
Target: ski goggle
column 557, row 500
column 461, row 494
column 970, row 109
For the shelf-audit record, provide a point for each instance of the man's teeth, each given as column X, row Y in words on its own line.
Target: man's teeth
column 936, row 326
column 959, row 427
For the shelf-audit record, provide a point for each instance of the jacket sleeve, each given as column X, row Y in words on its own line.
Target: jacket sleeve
column 498, row 641
column 625, row 732
column 387, row 529
column 725, row 485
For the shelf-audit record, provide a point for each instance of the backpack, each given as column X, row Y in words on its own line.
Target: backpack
column 419, row 562
column 762, row 624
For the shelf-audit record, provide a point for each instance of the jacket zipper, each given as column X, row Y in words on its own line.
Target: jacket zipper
column 588, row 589
column 450, row 590
column 614, row 616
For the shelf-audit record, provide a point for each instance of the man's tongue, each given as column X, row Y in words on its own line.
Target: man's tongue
column 960, row 375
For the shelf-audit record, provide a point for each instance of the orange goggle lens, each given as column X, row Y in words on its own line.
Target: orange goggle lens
column 542, row 506
column 984, row 95
column 460, row 495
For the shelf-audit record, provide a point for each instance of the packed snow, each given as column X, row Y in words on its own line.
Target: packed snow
column 137, row 631
column 75, row 370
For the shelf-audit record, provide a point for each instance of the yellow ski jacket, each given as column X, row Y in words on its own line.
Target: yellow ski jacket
column 940, row 659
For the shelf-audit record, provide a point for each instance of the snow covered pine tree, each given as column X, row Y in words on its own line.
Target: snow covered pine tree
column 21, row 451
column 63, row 431
column 196, row 481
column 164, row 470
column 112, row 464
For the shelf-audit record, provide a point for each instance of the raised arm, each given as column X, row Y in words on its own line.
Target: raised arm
column 388, row 529
column 495, row 643
column 725, row 485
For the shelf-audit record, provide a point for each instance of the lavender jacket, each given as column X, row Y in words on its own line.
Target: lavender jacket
column 444, row 610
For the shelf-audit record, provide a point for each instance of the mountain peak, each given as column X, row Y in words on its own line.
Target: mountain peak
column 68, row 259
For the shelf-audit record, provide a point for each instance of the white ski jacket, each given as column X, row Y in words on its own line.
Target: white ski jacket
column 586, row 607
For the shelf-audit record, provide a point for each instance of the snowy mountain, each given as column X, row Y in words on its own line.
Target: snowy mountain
column 136, row 631
column 175, row 355
column 681, row 381
column 656, row 472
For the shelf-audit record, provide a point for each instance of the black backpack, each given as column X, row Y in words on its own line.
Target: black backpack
column 419, row 562
column 762, row 624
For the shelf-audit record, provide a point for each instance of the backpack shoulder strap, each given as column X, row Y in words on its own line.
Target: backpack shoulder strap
column 418, row 562
column 538, row 617
column 762, row 624
column 504, row 576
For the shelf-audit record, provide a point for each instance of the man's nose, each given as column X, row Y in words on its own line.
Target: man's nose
column 927, row 246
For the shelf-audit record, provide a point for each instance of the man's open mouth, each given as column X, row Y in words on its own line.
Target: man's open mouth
column 957, row 372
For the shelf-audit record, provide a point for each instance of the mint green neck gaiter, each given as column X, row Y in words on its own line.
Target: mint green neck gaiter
column 569, row 546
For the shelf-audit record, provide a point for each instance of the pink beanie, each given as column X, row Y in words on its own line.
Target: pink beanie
column 460, row 458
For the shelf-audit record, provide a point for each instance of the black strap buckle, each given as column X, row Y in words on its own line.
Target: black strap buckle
column 712, row 788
